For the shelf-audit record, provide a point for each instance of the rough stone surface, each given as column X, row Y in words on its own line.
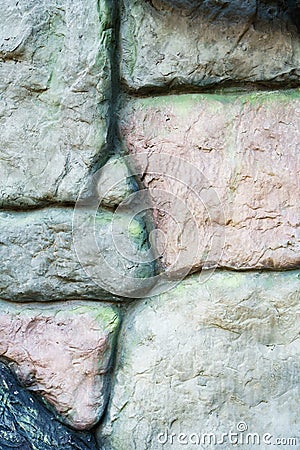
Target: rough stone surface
column 223, row 177
column 206, row 357
column 63, row 352
column 26, row 424
column 43, row 258
column 54, row 96
column 167, row 44
column 115, row 183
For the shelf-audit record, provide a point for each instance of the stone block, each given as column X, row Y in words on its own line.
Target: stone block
column 211, row 356
column 54, row 97
column 58, row 254
column 177, row 45
column 222, row 172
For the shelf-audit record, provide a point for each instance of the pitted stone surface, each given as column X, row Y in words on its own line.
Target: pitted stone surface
column 178, row 44
column 54, row 95
column 238, row 175
column 204, row 358
column 63, row 352
column 40, row 259
column 26, row 424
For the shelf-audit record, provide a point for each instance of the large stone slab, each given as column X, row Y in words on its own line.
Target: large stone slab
column 212, row 356
column 54, row 97
column 59, row 254
column 222, row 173
column 26, row 424
column 63, row 352
column 180, row 44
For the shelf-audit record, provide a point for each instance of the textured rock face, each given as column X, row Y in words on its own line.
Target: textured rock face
column 54, row 71
column 64, row 352
column 44, row 258
column 223, row 176
column 220, row 164
column 182, row 44
column 205, row 358
column 115, row 183
column 25, row 423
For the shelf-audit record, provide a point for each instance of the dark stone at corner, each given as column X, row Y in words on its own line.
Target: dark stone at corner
column 294, row 11
column 26, row 423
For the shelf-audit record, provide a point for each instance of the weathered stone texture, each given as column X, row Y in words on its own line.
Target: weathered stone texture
column 63, row 352
column 45, row 256
column 205, row 357
column 54, row 95
column 114, row 183
column 26, row 424
column 169, row 44
column 223, row 177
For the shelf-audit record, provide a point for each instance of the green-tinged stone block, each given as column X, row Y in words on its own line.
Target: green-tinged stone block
column 62, row 254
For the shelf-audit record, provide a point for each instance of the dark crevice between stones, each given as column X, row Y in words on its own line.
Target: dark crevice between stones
column 113, row 142
column 114, row 132
column 115, row 147
column 293, row 8
column 35, row 297
column 295, row 15
column 118, row 147
column 113, row 366
column 217, row 88
column 115, row 363
column 43, row 204
column 227, row 269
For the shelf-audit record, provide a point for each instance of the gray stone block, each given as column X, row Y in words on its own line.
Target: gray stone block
column 50, row 254
column 211, row 356
column 54, row 97
column 178, row 45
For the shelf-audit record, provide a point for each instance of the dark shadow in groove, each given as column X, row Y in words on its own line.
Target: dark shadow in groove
column 222, row 88
column 112, row 147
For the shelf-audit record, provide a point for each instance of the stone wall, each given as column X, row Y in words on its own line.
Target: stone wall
column 150, row 245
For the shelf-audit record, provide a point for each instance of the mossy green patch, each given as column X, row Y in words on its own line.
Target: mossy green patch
column 269, row 97
column 183, row 103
